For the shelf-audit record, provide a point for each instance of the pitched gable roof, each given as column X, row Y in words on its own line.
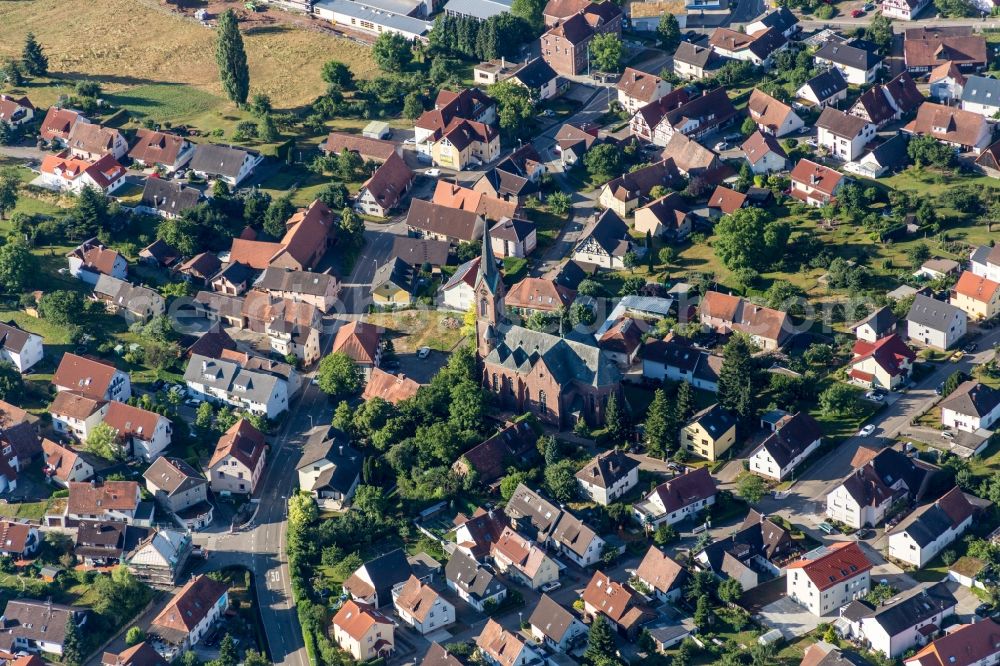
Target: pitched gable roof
column 243, row 442
column 829, row 565
column 87, row 376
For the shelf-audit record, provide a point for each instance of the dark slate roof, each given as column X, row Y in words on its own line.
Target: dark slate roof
column 983, row 90
column 848, row 55
column 892, row 153
column 792, row 436
column 716, row 419
column 168, row 196
column 550, row 618
column 573, row 272
column 535, row 74
column 610, row 233
column 973, row 399
column 607, row 469
column 917, row 608
column 692, row 54
column 519, row 349
column 395, row 271
column 926, row 525
column 468, row 575
column 387, row 570
column 882, row 320
column 235, row 273
column 214, row 159
column 931, row 313
column 780, row 18
column 527, row 503
column 827, row 84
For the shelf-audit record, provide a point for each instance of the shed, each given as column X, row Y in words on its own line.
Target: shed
column 377, row 129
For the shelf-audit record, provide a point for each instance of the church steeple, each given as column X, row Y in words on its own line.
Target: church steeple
column 488, row 272
column 489, row 296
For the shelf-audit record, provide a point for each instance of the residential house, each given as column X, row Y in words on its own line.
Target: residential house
column 372, row 583
column 368, row 149
column 764, row 153
column 620, row 605
column 573, row 142
column 133, row 303
column 627, row 192
column 420, row 606
column 473, row 583
column 459, row 291
column 885, row 363
column 842, row 135
column 102, row 544
column 780, row 19
column 674, row 359
column 475, row 536
column 637, row 89
column 362, row 342
column 363, row 631
column 709, row 433
column 694, row 160
column 566, row 45
column 877, row 325
column 697, row 117
column 330, row 470
column 140, row 654
column 977, row 296
column 772, row 117
column 167, row 198
column 666, row 217
column 890, row 101
column 63, row 466
column 900, row 624
column 605, row 242
column 985, row 262
column 694, row 63
column 200, row 267
column 420, row 251
column 181, row 490
column 935, row 324
column 889, row 156
column 532, row 295
column 574, row 539
column 428, row 220
column 57, row 125
column 499, row 647
column 110, row 501
column 935, row 269
column 490, row 207
column 683, row 496
column 140, row 432
column 91, row 259
column 469, row 104
column 191, row 613
column 829, row 577
column 389, row 387
column 229, row 164
column 649, row 123
column 159, row 559
column 31, row 625
column 751, row 555
column 768, row 328
column 63, row 173
column 237, row 463
column 16, row 111
column 235, row 384
column 538, row 77
column 964, row 130
column 309, row 232
column 971, row 407
column 827, row 88
column 19, row 347
column 91, row 378
column 608, row 476
column 154, row 149
column 725, row 201
column 865, row 496
column 757, row 48
column 555, row 627
column 522, row 560
column 513, row 238
column 439, row 656
column 384, row 190
column 394, row 283
column 858, row 65
column 317, row 289
column 515, row 443
column 923, row 534
column 815, row 184
column 793, row 440
column 946, row 82
column 92, row 142
column 980, row 95
column 18, row 541
column 515, row 177
column 926, row 48
column 973, row 644
column 662, row 576
column 905, row 10
column 622, row 340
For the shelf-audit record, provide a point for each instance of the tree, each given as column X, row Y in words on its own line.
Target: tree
column 228, row 656
column 103, row 442
column 600, row 642
column 751, row 488
column 839, row 400
column 11, row 383
column 268, row 132
column 664, row 534
column 33, row 57
column 352, row 228
column 956, row 8
column 61, row 307
column 515, row 107
column 925, row 150
column 669, row 32
column 134, row 636
column 560, row 480
column 606, row 52
column 338, row 375
column 90, row 212
column 615, row 420
column 581, row 314
column 737, row 379
column 879, row 32
column 530, row 11
column 392, row 52
column 702, row 613
column 750, row 238
column 952, row 382
column 8, row 134
column 730, row 590
column 661, row 425
column 254, row 658
column 413, row 105
column 17, row 263
column 334, row 195
column 204, row 416
column 72, row 654
column 918, row 254
column 277, row 214
column 748, row 127
column 667, row 255
column 510, row 483
column 337, row 75
column 13, row 74
column 8, row 194
column 231, row 58
column 560, row 203
column 603, row 162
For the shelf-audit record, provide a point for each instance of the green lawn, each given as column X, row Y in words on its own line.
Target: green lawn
column 169, row 103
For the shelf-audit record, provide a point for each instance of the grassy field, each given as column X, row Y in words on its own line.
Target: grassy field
column 163, row 64
column 412, row 329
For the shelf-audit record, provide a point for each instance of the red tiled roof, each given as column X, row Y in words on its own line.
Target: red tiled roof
column 841, row 561
column 976, row 287
column 88, row 376
column 359, row 340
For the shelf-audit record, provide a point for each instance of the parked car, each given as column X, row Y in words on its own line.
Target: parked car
column 722, row 145
column 948, row 435
column 875, row 396
column 864, row 534
column 957, row 356
column 551, row 585
column 939, row 389
column 827, row 528
column 867, row 430
column 424, row 352
column 432, row 173
column 970, row 348
column 857, row 13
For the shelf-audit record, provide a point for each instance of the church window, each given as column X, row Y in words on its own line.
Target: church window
column 494, row 382
column 541, row 401
column 482, row 307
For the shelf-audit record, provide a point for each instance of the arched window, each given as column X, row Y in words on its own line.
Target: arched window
column 541, row 401
column 527, row 396
column 482, row 307
column 494, row 382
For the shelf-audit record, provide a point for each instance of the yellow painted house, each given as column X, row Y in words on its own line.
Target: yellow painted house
column 363, row 631
column 710, row 432
column 464, row 142
column 976, row 296
column 393, row 283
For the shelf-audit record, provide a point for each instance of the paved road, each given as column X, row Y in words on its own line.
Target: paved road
column 261, row 544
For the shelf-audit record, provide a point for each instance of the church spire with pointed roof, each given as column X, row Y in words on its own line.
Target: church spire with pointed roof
column 488, row 272
column 489, row 301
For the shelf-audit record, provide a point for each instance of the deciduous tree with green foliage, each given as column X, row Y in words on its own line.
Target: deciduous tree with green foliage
column 337, row 75
column 668, row 30
column 102, row 441
column 839, row 400
column 11, row 382
column 231, row 58
column 879, row 32
column 392, row 52
column 606, row 52
column 515, row 107
column 530, row 11
column 61, row 307
column 751, row 487
column 8, row 193
column 17, row 263
column 277, row 214
column 751, row 238
column 603, row 162
column 338, row 375
column 33, row 57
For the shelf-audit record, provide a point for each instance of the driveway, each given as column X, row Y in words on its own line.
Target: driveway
column 790, row 618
